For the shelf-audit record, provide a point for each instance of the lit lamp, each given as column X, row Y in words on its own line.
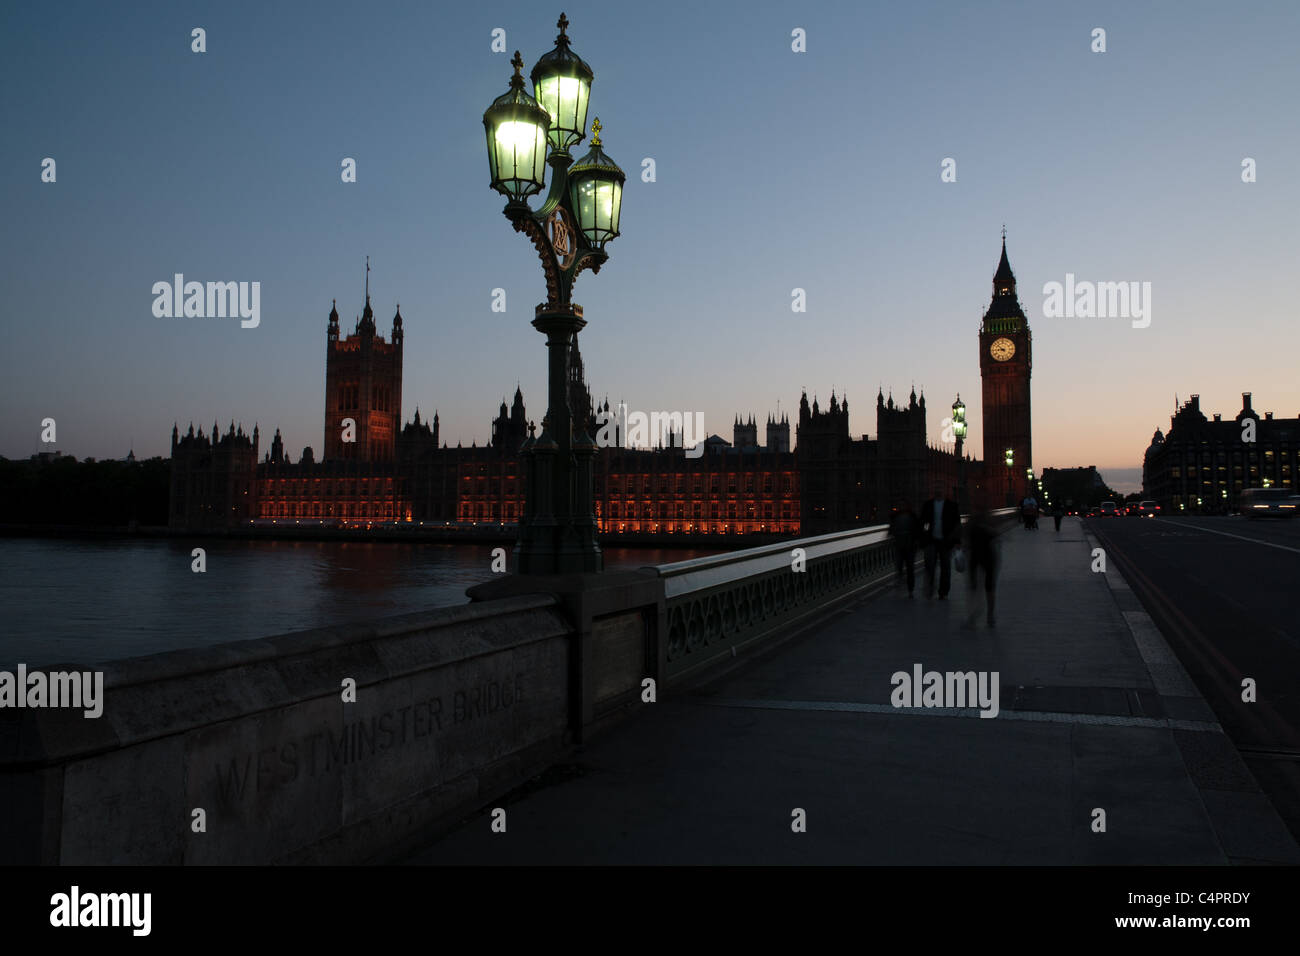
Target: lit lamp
column 581, row 213
column 562, row 85
column 596, row 192
column 959, row 435
column 516, row 139
column 1011, row 498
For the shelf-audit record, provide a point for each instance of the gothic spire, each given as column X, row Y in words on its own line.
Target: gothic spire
column 1004, row 280
column 1004, row 313
column 367, row 321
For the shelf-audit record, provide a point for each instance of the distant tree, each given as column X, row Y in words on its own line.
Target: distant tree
column 64, row 491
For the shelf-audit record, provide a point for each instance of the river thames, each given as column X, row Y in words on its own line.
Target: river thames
column 87, row 601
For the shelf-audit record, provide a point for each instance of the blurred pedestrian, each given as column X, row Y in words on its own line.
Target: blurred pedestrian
column 940, row 530
column 1029, row 511
column 904, row 529
column 982, row 552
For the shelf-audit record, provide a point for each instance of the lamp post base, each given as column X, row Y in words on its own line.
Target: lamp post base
column 557, row 533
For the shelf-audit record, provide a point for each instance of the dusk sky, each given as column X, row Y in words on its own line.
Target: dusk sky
column 775, row 170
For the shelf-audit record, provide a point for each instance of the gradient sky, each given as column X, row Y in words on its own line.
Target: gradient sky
column 775, row 170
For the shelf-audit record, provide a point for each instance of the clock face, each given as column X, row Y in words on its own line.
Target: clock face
column 1002, row 349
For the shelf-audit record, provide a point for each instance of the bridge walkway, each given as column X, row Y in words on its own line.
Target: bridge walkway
column 1094, row 715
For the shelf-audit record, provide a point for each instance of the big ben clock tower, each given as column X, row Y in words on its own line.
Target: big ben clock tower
column 1004, row 368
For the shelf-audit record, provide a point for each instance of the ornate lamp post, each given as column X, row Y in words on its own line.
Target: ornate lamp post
column 1011, row 498
column 557, row 531
column 959, row 434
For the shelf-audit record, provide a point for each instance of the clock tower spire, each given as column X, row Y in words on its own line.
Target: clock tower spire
column 1005, row 347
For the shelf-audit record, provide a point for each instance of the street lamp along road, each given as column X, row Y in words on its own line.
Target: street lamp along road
column 959, row 419
column 959, row 433
column 581, row 213
column 1011, row 498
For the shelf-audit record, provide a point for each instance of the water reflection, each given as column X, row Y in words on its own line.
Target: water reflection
column 78, row 602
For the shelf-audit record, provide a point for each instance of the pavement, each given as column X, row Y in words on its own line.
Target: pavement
column 1222, row 590
column 1102, row 750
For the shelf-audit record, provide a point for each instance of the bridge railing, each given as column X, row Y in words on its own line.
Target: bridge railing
column 717, row 605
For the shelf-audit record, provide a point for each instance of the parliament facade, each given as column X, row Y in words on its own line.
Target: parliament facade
column 375, row 472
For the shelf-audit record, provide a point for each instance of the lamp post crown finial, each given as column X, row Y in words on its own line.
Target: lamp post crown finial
column 517, row 62
column 563, row 24
column 595, row 131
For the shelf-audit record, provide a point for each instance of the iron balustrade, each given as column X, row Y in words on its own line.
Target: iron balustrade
column 716, row 605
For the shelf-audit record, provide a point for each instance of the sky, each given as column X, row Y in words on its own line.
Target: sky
column 775, row 170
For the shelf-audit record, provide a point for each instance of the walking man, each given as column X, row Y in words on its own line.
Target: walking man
column 903, row 529
column 940, row 530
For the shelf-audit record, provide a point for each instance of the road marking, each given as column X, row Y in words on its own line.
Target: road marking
column 1167, row 673
column 1115, row 581
column 1262, row 721
column 854, row 707
column 1267, row 544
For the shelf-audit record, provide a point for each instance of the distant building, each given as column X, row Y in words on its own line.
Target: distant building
column 214, row 478
column 846, row 482
column 1203, row 465
column 1005, row 346
column 744, row 434
column 726, row 490
column 1074, row 487
column 363, row 387
column 778, row 433
column 393, row 473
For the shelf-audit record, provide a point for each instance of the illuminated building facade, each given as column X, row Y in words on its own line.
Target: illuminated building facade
column 374, row 471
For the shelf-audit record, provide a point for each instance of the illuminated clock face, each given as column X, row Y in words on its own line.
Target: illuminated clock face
column 1002, row 349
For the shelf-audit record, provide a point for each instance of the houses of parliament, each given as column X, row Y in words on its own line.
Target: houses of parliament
column 375, row 469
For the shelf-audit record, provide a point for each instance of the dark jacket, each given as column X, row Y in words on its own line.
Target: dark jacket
column 981, row 540
column 950, row 531
column 903, row 528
